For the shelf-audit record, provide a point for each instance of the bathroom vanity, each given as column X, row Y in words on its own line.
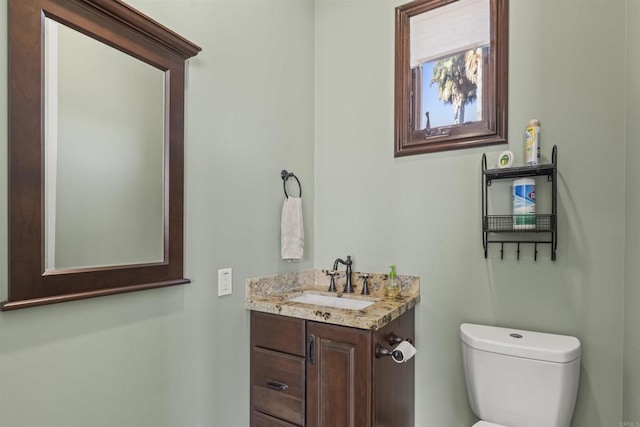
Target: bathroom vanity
column 316, row 365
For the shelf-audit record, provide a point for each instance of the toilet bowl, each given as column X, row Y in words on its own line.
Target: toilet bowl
column 518, row 378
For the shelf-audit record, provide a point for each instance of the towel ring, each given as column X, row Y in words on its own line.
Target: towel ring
column 285, row 176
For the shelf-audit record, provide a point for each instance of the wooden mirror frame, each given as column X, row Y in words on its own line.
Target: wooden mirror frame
column 125, row 29
column 489, row 131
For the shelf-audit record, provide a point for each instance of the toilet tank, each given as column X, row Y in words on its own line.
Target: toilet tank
column 520, row 378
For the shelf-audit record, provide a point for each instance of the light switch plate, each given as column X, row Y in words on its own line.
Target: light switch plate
column 225, row 282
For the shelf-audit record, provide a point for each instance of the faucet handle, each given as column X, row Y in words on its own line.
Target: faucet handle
column 332, row 282
column 365, row 284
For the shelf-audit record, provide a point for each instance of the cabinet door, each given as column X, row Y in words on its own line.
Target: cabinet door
column 339, row 376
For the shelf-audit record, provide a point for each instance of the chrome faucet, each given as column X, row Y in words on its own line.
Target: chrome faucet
column 348, row 288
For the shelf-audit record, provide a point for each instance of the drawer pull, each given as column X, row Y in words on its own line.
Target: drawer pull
column 275, row 385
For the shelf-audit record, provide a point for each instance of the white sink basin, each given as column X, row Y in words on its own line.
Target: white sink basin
column 334, row 302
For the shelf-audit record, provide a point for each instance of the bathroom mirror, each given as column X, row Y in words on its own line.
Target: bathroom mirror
column 96, row 129
column 103, row 138
column 451, row 75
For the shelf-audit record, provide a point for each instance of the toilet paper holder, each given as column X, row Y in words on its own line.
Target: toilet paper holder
column 394, row 340
column 382, row 351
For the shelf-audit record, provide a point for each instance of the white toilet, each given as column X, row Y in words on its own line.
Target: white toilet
column 520, row 378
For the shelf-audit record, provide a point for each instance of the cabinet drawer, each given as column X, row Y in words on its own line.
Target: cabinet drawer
column 280, row 333
column 258, row 419
column 271, row 370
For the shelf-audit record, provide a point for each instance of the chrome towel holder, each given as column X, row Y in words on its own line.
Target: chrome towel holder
column 285, row 176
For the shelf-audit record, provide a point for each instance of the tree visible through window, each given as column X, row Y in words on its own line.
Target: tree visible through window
column 451, row 90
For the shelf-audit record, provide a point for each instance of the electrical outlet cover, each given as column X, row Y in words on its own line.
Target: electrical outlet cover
column 225, row 282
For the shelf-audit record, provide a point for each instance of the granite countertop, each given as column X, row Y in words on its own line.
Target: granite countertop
column 270, row 294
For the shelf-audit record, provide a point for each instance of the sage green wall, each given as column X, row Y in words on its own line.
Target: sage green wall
column 422, row 213
column 180, row 356
column 632, row 236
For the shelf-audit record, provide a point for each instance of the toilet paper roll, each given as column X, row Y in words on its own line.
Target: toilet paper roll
column 403, row 352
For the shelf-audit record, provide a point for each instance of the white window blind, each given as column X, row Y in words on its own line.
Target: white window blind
column 456, row 27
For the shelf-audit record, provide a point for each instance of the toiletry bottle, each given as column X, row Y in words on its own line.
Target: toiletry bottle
column 392, row 287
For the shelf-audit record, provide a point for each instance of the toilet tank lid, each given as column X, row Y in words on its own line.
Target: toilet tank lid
column 520, row 343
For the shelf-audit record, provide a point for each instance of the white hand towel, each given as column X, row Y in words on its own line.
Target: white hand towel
column 292, row 230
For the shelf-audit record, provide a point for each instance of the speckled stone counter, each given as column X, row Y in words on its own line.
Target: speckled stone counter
column 271, row 294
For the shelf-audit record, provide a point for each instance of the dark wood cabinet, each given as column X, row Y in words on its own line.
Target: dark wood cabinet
column 313, row 374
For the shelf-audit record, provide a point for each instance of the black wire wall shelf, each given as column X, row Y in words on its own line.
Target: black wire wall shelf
column 541, row 229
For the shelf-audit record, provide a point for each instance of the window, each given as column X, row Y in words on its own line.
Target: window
column 451, row 75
